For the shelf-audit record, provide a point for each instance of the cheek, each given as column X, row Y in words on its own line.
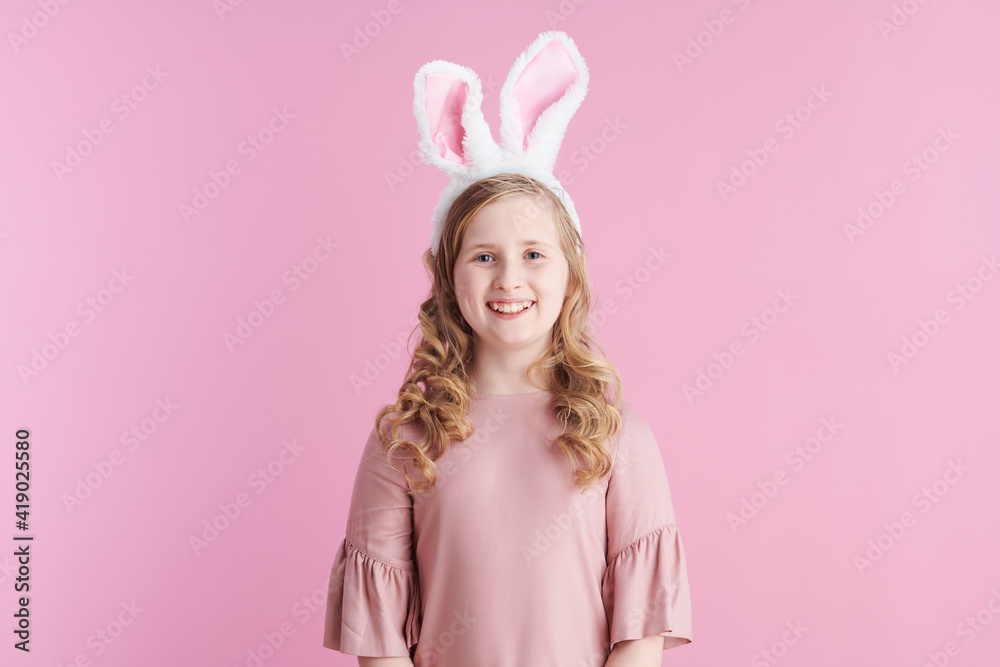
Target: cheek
column 465, row 287
column 560, row 282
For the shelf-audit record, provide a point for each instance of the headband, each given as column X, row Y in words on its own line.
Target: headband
column 542, row 92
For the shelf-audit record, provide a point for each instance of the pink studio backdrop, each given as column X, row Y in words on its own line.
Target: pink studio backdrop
column 209, row 252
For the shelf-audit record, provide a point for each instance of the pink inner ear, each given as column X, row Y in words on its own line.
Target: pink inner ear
column 544, row 80
column 444, row 98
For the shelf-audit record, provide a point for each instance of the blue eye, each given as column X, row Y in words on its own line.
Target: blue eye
column 532, row 252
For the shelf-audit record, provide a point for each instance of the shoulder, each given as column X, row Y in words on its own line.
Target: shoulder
column 632, row 423
column 375, row 450
column 407, row 431
column 626, row 415
column 636, row 439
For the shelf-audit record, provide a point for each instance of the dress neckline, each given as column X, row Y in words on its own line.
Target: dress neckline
column 507, row 397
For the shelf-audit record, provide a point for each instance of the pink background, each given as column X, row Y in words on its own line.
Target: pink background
column 672, row 131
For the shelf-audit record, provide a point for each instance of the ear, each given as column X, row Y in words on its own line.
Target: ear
column 542, row 92
column 447, row 103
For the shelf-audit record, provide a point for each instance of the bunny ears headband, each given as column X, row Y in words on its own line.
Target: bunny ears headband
column 542, row 92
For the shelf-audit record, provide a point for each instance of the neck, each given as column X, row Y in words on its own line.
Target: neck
column 505, row 372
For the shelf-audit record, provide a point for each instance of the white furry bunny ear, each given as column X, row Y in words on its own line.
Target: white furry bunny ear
column 542, row 92
column 447, row 102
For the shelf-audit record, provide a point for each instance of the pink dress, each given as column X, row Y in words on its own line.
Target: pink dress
column 504, row 562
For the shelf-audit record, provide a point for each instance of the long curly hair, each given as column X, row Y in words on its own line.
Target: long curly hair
column 437, row 392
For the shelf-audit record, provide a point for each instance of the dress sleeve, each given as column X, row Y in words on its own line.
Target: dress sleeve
column 373, row 602
column 645, row 587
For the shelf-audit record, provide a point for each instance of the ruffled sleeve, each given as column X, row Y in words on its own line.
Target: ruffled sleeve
column 645, row 587
column 373, row 603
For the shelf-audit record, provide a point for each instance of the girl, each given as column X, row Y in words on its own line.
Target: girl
column 510, row 509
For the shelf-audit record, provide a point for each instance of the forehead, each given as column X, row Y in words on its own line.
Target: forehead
column 515, row 218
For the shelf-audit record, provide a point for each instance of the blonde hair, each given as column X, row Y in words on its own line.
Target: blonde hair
column 437, row 391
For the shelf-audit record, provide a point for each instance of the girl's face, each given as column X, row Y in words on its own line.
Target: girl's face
column 510, row 254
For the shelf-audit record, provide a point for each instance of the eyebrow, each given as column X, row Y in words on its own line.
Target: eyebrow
column 524, row 243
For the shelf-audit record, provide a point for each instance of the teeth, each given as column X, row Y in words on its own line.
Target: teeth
column 509, row 307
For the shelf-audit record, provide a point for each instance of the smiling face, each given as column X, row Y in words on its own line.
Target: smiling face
column 511, row 258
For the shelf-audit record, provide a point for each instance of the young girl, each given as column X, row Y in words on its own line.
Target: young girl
column 510, row 509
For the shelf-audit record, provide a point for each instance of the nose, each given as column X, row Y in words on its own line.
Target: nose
column 508, row 276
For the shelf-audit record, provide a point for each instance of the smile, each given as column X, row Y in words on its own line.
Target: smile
column 510, row 308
